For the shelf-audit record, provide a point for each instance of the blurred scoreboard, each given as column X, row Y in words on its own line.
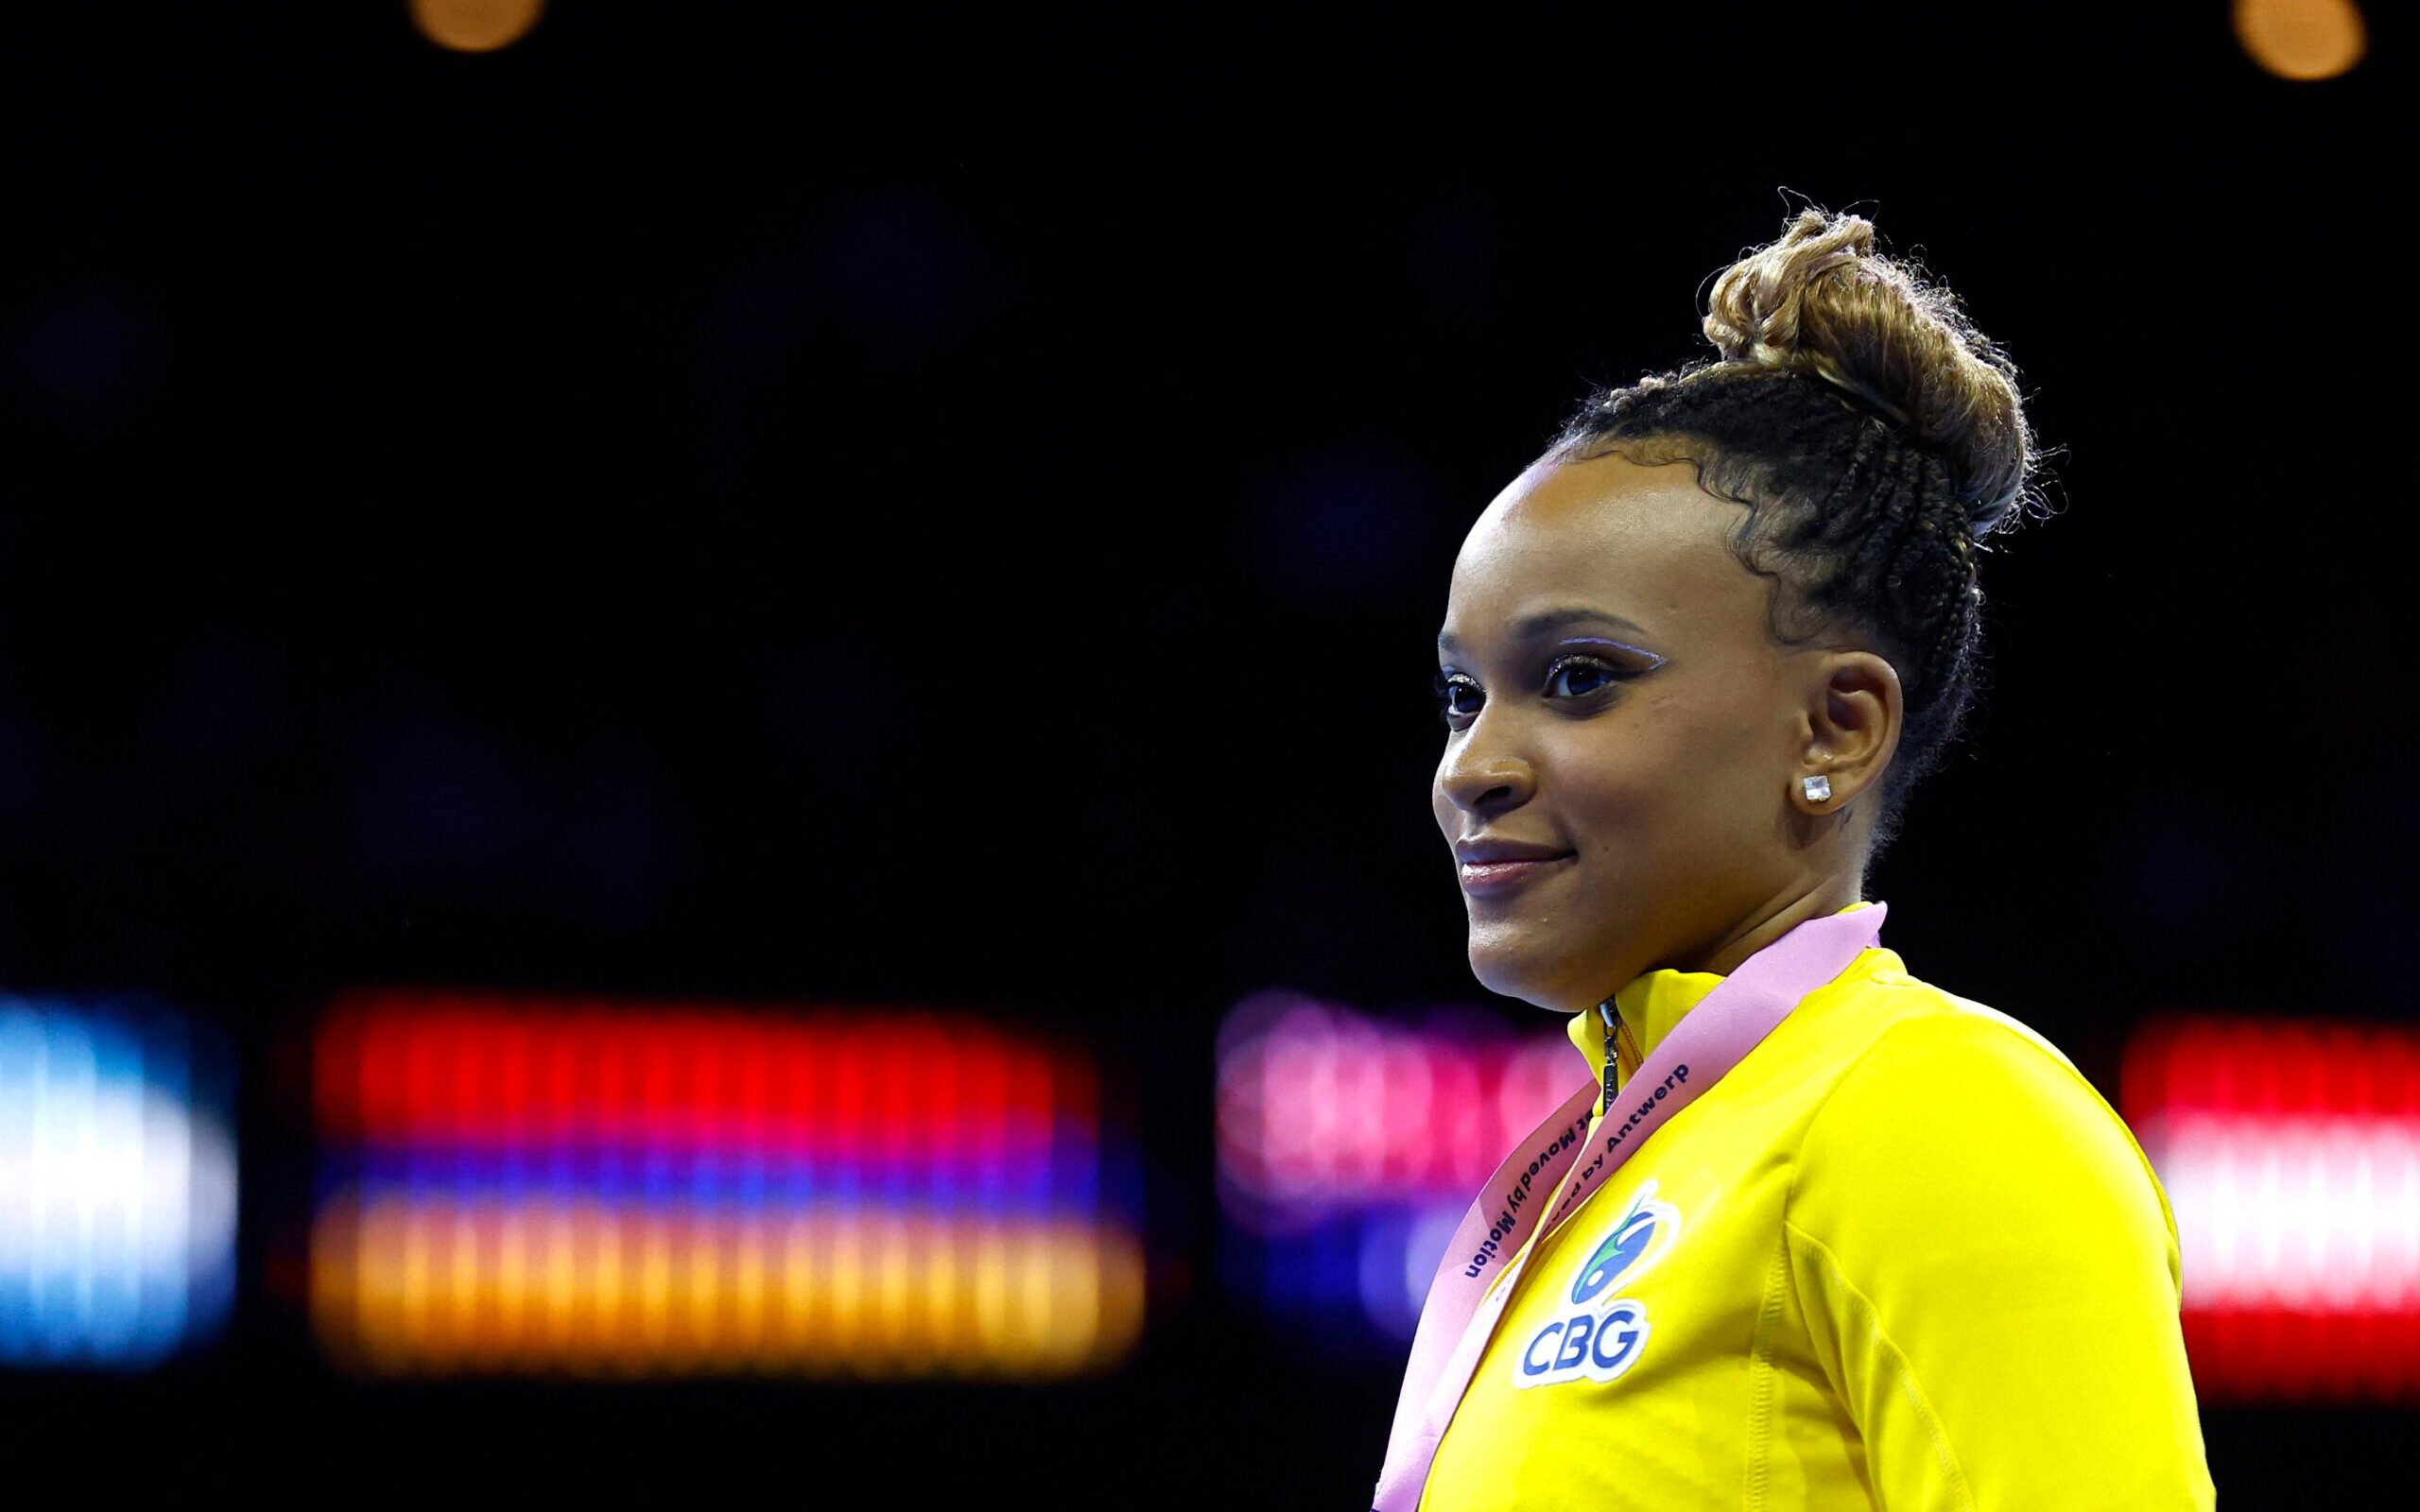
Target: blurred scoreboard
column 523, row 1186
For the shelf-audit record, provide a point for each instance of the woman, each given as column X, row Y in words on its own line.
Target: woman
column 1847, row 1240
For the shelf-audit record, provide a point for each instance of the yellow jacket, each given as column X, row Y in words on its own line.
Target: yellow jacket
column 1903, row 1256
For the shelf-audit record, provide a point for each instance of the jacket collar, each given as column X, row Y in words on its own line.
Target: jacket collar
column 1650, row 1004
column 1652, row 1001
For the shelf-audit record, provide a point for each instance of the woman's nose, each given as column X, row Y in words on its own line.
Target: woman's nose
column 1480, row 777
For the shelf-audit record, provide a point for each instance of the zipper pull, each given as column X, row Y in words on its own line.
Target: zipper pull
column 1611, row 1016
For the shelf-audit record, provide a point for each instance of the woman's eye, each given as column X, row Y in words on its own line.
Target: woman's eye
column 1457, row 697
column 1576, row 677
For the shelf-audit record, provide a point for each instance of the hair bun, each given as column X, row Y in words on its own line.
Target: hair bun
column 1821, row 300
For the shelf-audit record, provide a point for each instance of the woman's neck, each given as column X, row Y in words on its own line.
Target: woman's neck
column 1776, row 917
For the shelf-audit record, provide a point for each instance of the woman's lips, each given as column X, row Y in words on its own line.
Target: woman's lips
column 1488, row 879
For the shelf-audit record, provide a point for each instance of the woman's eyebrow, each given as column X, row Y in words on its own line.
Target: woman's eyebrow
column 1529, row 626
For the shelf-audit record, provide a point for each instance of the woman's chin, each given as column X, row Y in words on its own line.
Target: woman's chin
column 1517, row 968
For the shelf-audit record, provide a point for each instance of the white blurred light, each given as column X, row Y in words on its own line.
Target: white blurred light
column 2313, row 1213
column 117, row 1191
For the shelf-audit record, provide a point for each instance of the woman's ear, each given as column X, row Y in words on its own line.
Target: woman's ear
column 1854, row 709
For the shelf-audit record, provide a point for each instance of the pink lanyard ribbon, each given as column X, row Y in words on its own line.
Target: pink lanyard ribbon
column 1459, row 1316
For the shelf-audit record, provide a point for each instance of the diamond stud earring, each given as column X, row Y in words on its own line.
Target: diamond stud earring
column 1817, row 788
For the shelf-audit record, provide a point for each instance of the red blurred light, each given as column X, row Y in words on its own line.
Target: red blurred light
column 538, row 1186
column 2291, row 1155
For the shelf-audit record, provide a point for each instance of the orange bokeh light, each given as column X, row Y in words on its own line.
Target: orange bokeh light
column 2300, row 38
column 475, row 25
column 403, row 1287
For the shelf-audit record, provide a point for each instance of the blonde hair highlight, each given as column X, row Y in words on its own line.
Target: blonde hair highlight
column 1822, row 300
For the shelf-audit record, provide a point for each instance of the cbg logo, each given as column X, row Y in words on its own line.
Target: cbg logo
column 1634, row 1234
column 1600, row 1342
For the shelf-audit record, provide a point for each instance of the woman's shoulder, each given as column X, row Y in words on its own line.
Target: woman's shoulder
column 1891, row 1001
column 1923, row 1069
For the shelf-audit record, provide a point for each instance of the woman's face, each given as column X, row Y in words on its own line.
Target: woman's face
column 1617, row 705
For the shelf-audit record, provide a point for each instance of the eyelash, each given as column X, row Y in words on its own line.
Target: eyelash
column 1446, row 684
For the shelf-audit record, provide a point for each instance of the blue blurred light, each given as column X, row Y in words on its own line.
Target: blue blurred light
column 118, row 1185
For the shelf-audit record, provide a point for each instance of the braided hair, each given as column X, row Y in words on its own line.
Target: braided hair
column 1877, row 438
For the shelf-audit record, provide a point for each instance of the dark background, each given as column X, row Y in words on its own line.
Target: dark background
column 951, row 510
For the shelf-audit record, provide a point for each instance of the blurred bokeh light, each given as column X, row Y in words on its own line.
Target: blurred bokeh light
column 475, row 25
column 622, row 1190
column 2291, row 1154
column 117, row 1184
column 2302, row 39
column 1349, row 1148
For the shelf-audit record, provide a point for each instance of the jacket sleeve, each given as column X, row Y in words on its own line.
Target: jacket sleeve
column 1990, row 1278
